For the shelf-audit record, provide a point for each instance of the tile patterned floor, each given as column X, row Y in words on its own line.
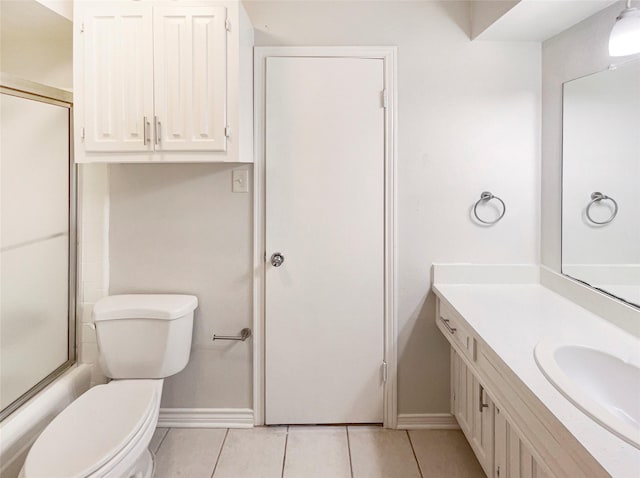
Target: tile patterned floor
column 313, row 452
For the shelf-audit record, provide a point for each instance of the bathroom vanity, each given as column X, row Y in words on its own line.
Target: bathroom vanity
column 516, row 421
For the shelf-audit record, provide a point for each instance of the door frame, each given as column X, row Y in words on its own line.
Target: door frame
column 388, row 56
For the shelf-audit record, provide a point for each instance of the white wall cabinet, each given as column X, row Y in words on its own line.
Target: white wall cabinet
column 190, row 78
column 118, row 78
column 163, row 81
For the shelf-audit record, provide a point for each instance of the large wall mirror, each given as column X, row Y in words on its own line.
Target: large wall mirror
column 601, row 181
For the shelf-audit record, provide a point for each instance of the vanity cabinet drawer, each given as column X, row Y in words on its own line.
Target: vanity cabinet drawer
column 452, row 327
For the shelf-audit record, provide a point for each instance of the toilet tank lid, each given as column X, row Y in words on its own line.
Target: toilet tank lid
column 144, row 306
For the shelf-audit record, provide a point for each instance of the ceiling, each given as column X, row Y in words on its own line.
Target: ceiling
column 29, row 18
column 539, row 20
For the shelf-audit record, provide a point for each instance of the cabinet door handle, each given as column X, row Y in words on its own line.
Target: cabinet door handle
column 158, row 129
column 481, row 404
column 146, row 128
column 452, row 330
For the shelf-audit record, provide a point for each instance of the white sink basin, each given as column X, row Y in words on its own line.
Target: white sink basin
column 602, row 385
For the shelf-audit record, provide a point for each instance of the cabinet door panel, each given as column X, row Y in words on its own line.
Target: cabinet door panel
column 512, row 458
column 118, row 78
column 453, row 358
column 515, row 457
column 190, row 78
column 500, row 445
column 464, row 396
column 526, row 463
column 538, row 472
column 483, row 427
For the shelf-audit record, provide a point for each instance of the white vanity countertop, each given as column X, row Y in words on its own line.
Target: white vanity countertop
column 512, row 319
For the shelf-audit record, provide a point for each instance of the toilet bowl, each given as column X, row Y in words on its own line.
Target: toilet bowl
column 107, row 430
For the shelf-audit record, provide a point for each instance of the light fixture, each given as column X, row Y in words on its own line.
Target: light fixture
column 625, row 35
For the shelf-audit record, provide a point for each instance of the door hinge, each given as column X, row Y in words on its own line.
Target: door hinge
column 384, row 372
column 227, row 24
column 385, row 98
column 82, row 27
column 82, row 134
column 227, row 131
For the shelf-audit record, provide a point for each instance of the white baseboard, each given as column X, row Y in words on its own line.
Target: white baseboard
column 206, row 418
column 243, row 418
column 427, row 421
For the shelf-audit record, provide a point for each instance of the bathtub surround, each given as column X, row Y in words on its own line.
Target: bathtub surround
column 93, row 258
column 20, row 430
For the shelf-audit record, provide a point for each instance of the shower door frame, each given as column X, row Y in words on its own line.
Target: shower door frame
column 21, row 88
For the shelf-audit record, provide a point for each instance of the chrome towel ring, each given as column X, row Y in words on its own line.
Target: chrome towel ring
column 597, row 197
column 486, row 196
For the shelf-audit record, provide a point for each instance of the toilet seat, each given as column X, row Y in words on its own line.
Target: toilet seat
column 97, row 431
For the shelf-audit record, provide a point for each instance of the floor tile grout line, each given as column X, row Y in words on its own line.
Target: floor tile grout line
column 284, row 455
column 224, row 441
column 415, row 457
column 349, row 451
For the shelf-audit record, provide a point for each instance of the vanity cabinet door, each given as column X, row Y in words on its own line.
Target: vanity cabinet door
column 483, row 416
column 500, row 445
column 512, row 458
column 463, row 395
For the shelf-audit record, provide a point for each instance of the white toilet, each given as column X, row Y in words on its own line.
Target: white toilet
column 106, row 432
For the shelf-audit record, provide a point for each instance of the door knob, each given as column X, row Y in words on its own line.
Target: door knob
column 277, row 259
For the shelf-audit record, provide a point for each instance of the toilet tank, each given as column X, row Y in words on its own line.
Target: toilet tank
column 144, row 335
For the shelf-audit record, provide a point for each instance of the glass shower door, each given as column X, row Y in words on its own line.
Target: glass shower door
column 36, row 296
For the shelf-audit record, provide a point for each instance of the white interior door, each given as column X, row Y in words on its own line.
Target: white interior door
column 324, row 306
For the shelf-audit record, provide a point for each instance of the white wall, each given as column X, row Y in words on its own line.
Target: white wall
column 468, row 121
column 180, row 229
column 576, row 52
column 485, row 13
column 63, row 8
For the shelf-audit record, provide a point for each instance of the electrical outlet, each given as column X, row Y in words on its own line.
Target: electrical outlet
column 240, row 181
